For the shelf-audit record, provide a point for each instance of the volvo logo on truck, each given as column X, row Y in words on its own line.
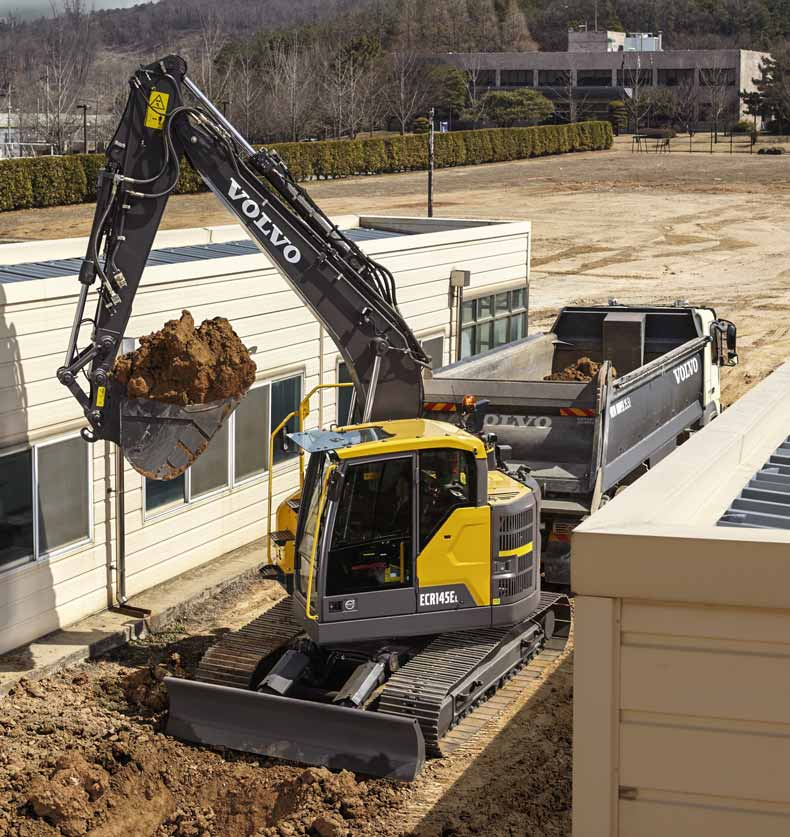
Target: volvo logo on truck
column 686, row 370
column 253, row 210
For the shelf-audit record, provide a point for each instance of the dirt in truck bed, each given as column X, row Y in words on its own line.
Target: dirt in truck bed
column 181, row 364
column 83, row 752
column 582, row 370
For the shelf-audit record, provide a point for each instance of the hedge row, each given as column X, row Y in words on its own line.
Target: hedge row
column 57, row 181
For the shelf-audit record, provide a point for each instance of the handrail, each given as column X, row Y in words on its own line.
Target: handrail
column 303, row 411
column 316, row 537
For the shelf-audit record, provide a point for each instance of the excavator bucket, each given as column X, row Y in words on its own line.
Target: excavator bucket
column 303, row 731
column 162, row 440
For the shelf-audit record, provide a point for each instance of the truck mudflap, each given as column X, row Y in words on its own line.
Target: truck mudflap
column 373, row 743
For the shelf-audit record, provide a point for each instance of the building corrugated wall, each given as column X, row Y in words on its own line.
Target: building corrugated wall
column 57, row 510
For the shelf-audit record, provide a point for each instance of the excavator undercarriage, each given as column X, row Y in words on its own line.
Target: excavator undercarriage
column 374, row 708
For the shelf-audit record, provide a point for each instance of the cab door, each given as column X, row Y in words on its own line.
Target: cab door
column 368, row 571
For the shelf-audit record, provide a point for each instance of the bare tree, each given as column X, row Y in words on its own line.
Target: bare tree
column 685, row 97
column 476, row 89
column 637, row 101
column 568, row 100
column 717, row 80
column 247, row 89
column 69, row 52
column 406, row 86
column 213, row 40
column 292, row 95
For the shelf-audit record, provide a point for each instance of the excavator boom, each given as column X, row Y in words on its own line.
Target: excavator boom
column 350, row 295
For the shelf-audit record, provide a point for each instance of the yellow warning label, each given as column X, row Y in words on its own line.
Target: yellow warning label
column 100, row 393
column 157, row 109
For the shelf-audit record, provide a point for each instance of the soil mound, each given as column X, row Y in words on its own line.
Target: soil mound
column 183, row 365
column 583, row 370
column 145, row 689
column 319, row 802
column 64, row 800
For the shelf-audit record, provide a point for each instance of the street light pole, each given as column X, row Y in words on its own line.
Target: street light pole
column 84, row 109
column 430, row 162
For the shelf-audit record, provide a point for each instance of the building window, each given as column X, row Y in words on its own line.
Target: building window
column 210, row 472
column 161, row 494
column 252, row 428
column 492, row 320
column 238, row 452
column 630, row 78
column 593, row 78
column 554, row 78
column 516, row 78
column 45, row 496
column 483, row 78
column 344, row 395
column 286, row 395
column 675, row 77
column 717, row 76
column 434, row 348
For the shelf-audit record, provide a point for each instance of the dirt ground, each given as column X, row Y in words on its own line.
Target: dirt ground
column 642, row 227
column 83, row 753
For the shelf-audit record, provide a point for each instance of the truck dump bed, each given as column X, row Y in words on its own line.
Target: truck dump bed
column 579, row 437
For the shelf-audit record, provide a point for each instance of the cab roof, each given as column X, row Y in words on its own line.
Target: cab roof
column 379, row 438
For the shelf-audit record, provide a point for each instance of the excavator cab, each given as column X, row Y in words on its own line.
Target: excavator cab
column 399, row 532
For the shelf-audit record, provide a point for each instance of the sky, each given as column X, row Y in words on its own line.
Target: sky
column 37, row 8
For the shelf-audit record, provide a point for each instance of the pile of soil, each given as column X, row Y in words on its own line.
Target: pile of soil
column 83, row 752
column 183, row 365
column 583, row 370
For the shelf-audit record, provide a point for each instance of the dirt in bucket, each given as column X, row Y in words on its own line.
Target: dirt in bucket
column 181, row 364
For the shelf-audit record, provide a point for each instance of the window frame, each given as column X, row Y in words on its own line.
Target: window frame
column 190, row 500
column 493, row 316
column 37, row 556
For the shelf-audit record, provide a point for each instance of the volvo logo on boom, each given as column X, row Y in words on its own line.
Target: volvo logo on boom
column 253, row 210
column 686, row 370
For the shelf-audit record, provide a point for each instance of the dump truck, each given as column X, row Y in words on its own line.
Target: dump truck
column 582, row 441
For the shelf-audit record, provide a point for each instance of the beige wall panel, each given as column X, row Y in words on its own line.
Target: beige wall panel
column 595, row 685
column 28, row 628
column 678, row 620
column 701, row 680
column 38, row 577
column 684, row 757
column 702, row 818
column 56, row 596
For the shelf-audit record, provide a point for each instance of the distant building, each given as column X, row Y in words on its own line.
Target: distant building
column 601, row 66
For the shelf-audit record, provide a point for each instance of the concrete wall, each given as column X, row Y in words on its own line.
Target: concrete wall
column 744, row 62
column 682, row 660
column 35, row 318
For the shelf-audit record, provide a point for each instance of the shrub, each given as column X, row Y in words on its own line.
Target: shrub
column 742, row 126
column 56, row 181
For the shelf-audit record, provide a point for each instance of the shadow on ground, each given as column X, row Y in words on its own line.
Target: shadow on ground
column 520, row 784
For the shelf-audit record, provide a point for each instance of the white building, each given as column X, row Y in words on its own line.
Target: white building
column 57, row 511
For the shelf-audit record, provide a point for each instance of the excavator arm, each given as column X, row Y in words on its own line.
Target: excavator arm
column 352, row 296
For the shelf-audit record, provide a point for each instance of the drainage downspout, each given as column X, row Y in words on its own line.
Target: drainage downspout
column 121, row 605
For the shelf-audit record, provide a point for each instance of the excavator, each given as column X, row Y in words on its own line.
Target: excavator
column 411, row 554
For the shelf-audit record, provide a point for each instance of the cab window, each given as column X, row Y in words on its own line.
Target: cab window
column 446, row 483
column 372, row 541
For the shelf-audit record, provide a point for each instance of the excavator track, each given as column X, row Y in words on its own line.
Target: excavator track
column 423, row 687
column 232, row 661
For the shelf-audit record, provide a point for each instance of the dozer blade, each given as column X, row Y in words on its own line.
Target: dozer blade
column 296, row 730
column 162, row 440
